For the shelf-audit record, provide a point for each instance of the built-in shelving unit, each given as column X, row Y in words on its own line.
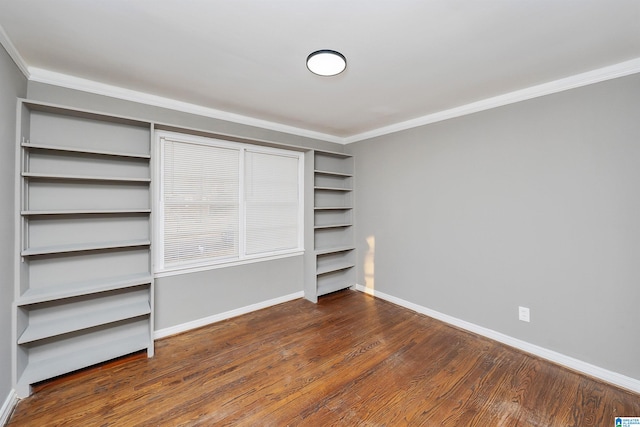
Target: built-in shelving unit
column 84, row 283
column 333, row 239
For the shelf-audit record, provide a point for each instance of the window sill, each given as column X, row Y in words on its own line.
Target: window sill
column 173, row 271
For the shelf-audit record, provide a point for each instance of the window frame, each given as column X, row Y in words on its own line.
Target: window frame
column 159, row 268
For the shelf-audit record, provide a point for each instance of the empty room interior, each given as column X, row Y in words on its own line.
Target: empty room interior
column 320, row 212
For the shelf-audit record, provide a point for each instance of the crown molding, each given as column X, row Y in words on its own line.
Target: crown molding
column 70, row 82
column 595, row 76
column 13, row 52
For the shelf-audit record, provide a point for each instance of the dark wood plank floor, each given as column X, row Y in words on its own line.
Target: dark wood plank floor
column 350, row 360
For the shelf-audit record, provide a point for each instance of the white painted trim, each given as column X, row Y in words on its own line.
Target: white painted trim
column 583, row 79
column 162, row 333
column 7, row 407
column 13, row 52
column 595, row 76
column 610, row 377
column 58, row 79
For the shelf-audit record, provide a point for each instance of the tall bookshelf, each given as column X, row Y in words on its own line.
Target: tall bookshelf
column 333, row 238
column 84, row 285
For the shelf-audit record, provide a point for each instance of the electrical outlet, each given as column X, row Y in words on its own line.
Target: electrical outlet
column 523, row 314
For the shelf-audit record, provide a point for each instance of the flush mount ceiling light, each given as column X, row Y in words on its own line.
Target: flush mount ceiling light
column 326, row 62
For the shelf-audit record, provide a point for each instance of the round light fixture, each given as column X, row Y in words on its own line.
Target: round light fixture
column 326, row 62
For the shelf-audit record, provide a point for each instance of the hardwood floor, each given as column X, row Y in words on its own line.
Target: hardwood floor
column 350, row 360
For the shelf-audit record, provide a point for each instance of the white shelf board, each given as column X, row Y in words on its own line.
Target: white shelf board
column 333, row 154
column 87, row 320
column 63, row 110
column 334, row 267
column 82, row 247
column 321, row 227
column 35, row 175
column 51, row 293
column 86, row 150
column 332, row 173
column 52, row 367
column 85, row 212
column 325, row 251
column 333, row 208
column 333, row 189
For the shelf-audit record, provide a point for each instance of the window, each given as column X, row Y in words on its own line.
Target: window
column 222, row 202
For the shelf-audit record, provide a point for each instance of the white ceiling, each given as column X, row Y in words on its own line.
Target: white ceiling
column 406, row 58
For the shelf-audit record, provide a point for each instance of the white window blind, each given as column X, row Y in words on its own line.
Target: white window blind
column 201, row 203
column 224, row 202
column 271, row 202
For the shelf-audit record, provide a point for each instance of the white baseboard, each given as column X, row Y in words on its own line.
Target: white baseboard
column 7, row 407
column 162, row 333
column 605, row 375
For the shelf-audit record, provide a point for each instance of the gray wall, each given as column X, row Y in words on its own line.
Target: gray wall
column 216, row 291
column 13, row 84
column 534, row 204
column 184, row 298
